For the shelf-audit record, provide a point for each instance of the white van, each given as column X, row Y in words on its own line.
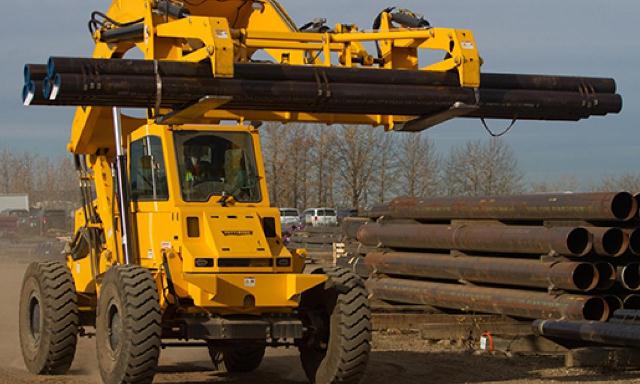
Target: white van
column 289, row 217
column 319, row 217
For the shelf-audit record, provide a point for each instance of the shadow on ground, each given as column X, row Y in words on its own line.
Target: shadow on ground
column 407, row 368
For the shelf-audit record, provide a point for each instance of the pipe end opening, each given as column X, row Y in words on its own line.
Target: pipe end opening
column 579, row 241
column 624, row 206
column 585, row 277
column 595, row 309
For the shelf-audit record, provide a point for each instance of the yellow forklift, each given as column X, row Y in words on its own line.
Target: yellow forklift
column 176, row 243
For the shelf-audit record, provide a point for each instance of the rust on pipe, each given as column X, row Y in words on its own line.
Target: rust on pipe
column 587, row 206
column 572, row 276
column 351, row 225
column 629, row 276
column 568, row 241
column 633, row 237
column 526, row 304
column 607, row 275
column 609, row 242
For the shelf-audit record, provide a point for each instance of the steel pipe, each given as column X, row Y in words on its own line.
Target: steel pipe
column 572, row 276
column 629, row 276
column 625, row 315
column 624, row 335
column 133, row 83
column 569, row 241
column 341, row 97
column 606, row 275
column 131, row 90
column 126, row 67
column 351, row 225
column 32, row 94
column 34, row 72
column 526, row 304
column 585, row 206
column 609, row 242
column 633, row 238
column 258, row 71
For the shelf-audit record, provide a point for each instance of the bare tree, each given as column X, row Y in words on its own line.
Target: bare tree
column 387, row 165
column 67, row 179
column 46, row 180
column 7, row 165
column 419, row 166
column 23, row 177
column 478, row 168
column 324, row 164
column 298, row 165
column 625, row 182
column 357, row 155
column 274, row 140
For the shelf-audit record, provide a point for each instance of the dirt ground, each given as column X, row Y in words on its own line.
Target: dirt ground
column 396, row 358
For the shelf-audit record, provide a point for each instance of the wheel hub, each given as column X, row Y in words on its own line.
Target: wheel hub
column 114, row 327
column 34, row 318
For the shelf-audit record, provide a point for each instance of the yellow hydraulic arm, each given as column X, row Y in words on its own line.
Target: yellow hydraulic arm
column 234, row 31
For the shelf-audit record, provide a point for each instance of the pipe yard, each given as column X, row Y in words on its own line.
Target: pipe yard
column 569, row 261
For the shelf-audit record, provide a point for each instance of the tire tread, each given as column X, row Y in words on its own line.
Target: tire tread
column 60, row 312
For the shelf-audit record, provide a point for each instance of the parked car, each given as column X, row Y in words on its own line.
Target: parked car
column 8, row 225
column 15, row 212
column 21, row 217
column 319, row 217
column 289, row 217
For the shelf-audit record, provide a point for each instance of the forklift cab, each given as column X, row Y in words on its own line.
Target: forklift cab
column 196, row 164
column 201, row 209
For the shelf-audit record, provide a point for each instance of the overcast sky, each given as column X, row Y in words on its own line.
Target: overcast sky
column 571, row 37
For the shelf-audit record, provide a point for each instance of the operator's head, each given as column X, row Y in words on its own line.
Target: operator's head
column 195, row 151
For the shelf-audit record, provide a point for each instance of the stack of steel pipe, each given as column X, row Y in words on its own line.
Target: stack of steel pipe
column 147, row 84
column 572, row 255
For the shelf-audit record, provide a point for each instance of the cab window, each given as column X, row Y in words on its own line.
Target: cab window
column 148, row 173
column 215, row 164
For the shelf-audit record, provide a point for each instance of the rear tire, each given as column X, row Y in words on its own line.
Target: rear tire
column 48, row 318
column 336, row 347
column 128, row 326
column 237, row 358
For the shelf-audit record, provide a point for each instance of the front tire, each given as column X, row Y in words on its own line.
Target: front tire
column 48, row 318
column 128, row 326
column 336, row 347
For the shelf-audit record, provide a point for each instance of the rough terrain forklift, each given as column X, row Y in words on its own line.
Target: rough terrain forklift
column 176, row 243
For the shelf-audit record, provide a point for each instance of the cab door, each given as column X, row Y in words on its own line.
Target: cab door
column 151, row 207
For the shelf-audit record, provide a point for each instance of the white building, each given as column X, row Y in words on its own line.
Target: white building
column 14, row 201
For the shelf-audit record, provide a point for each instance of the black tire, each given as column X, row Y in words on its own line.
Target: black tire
column 336, row 346
column 237, row 358
column 128, row 326
column 48, row 318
